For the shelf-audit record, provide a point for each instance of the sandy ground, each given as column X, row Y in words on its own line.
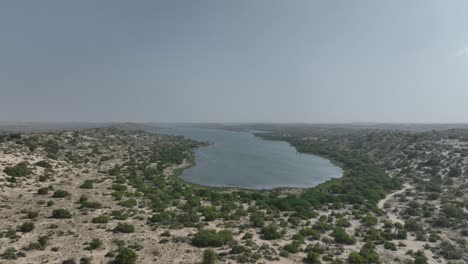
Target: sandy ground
column 411, row 243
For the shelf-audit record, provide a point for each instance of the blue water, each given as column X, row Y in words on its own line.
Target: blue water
column 239, row 159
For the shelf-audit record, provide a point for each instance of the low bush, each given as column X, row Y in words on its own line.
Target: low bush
column 270, row 232
column 95, row 244
column 211, row 238
column 43, row 164
column 26, row 227
column 87, row 184
column 209, row 257
column 124, row 228
column 60, row 194
column 125, row 256
column 92, row 205
column 61, row 214
column 19, row 170
column 342, row 237
column 43, row 191
column 102, row 219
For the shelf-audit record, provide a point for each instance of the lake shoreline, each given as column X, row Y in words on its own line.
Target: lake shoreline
column 296, row 189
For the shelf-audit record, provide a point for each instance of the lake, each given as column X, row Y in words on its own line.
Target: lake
column 239, row 159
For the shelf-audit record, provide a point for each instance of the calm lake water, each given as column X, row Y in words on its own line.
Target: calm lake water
column 239, row 159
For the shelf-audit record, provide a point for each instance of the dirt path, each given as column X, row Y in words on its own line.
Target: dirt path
column 390, row 215
column 411, row 242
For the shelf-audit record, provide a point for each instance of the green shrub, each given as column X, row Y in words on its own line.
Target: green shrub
column 310, row 233
column 26, row 227
column 60, row 194
column 119, row 187
column 313, row 258
column 43, row 191
column 355, row 258
column 129, row 203
column 69, row 261
column 420, row 258
column 44, row 178
column 390, row 246
column 343, row 222
column 369, row 220
column 43, row 164
column 85, row 260
column 257, row 219
column 247, row 236
column 124, row 228
column 342, row 237
column 119, row 215
column 369, row 254
column 39, row 245
column 61, row 214
column 87, row 184
column 413, row 225
column 449, row 251
column 102, row 219
column 210, row 213
column 270, row 232
column 95, row 244
column 19, row 170
column 209, row 257
column 9, row 253
column 293, row 247
column 32, row 215
column 126, row 256
column 52, row 148
column 211, row 238
column 92, row 205
column 162, row 217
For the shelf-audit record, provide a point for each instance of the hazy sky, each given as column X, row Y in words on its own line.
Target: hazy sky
column 212, row 61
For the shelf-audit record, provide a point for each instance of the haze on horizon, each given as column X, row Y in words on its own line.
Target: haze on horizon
column 234, row 61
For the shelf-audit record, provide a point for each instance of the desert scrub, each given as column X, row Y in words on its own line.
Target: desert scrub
column 41, row 244
column 313, row 258
column 43, row 164
column 95, row 244
column 270, row 232
column 119, row 187
column 293, row 247
column 129, row 203
column 10, row 253
column 60, row 194
column 119, row 215
column 69, row 261
column 211, row 238
column 125, row 256
column 124, row 228
column 87, row 184
column 341, row 237
column 32, row 214
column 102, row 219
column 43, row 191
column 61, row 214
column 19, row 170
column 210, row 257
column 91, row 205
column 26, row 227
column 163, row 217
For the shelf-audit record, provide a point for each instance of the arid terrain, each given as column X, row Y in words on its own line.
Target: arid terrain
column 113, row 195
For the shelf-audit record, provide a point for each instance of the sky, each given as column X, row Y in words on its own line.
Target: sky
column 234, row 61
